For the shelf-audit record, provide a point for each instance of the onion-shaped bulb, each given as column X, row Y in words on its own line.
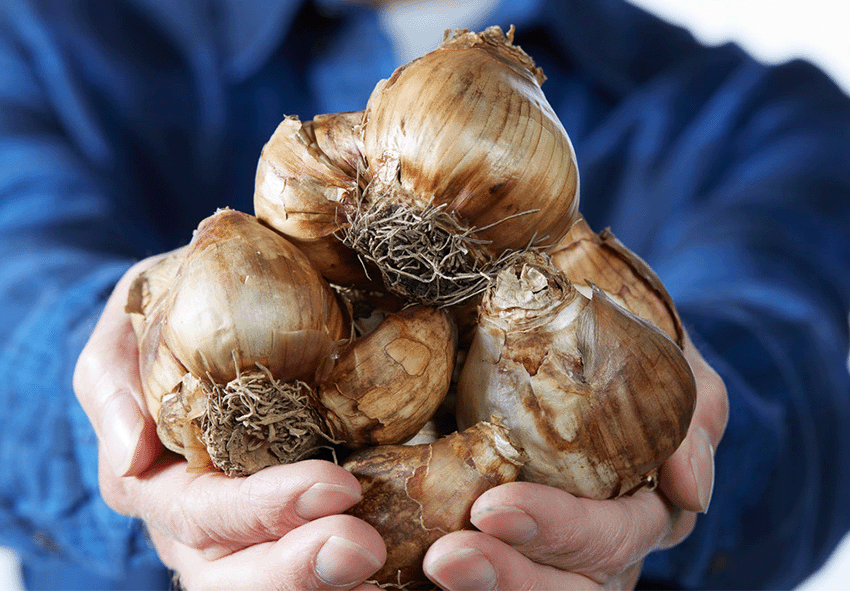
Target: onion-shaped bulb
column 465, row 160
column 247, row 360
column 228, row 333
column 387, row 385
column 415, row 494
column 597, row 397
column 306, row 172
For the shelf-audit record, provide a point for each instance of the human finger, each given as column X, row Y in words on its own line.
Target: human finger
column 218, row 515
column 473, row 561
column 107, row 384
column 337, row 552
column 687, row 477
column 597, row 539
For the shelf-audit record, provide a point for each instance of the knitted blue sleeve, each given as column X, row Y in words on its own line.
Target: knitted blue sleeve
column 62, row 248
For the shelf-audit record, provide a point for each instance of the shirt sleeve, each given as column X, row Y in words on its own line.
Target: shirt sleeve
column 731, row 178
column 63, row 245
column 757, row 261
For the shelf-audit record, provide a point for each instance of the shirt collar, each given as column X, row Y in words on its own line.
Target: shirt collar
column 252, row 30
column 243, row 32
column 256, row 27
column 247, row 32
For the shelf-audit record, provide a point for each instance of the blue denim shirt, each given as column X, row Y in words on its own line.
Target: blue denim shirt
column 123, row 124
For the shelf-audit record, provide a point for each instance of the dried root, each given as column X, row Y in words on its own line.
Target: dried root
column 256, row 421
column 426, row 255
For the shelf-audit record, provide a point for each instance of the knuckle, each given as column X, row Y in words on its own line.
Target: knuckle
column 111, row 495
column 269, row 514
column 208, row 522
column 620, row 546
column 620, row 541
column 186, row 528
column 83, row 370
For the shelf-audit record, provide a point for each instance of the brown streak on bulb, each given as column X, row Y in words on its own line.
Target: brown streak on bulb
column 602, row 260
column 596, row 396
column 413, row 495
column 386, row 385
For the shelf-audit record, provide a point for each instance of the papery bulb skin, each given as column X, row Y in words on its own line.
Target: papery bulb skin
column 245, row 292
column 159, row 370
column 228, row 348
column 589, row 259
column 415, row 494
column 306, row 172
column 468, row 125
column 461, row 144
column 457, row 161
column 386, row 385
column 597, row 397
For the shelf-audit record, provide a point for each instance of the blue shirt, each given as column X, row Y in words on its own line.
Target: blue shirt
column 124, row 123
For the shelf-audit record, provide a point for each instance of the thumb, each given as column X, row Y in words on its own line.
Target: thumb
column 687, row 477
column 108, row 387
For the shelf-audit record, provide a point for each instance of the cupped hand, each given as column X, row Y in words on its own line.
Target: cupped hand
column 278, row 529
column 537, row 537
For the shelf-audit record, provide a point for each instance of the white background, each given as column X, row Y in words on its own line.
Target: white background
column 773, row 31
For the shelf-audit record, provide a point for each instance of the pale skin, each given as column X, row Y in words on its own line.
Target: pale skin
column 284, row 527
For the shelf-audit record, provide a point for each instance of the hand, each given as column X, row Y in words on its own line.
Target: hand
column 277, row 529
column 538, row 537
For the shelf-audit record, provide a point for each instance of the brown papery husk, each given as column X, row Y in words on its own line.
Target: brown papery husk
column 149, row 285
column 338, row 136
column 244, row 296
column 459, row 139
column 596, row 396
column 415, row 494
column 386, row 385
column 589, row 259
column 467, row 125
column 159, row 370
column 306, row 173
column 244, row 313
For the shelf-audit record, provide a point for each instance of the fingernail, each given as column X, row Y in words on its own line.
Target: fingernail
column 510, row 524
column 120, row 430
column 463, row 570
column 323, row 499
column 702, row 464
column 343, row 562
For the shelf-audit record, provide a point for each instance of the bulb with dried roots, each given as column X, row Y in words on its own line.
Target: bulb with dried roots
column 415, row 494
column 596, row 396
column 459, row 161
column 247, row 360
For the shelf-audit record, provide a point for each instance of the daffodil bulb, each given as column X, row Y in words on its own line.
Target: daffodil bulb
column 596, row 396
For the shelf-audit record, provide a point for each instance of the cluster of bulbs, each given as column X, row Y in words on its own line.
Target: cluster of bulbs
column 418, row 285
